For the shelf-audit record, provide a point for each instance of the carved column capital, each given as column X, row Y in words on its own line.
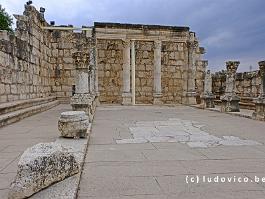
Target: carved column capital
column 205, row 63
column 232, row 66
column 192, row 45
column 81, row 59
column 157, row 44
column 126, row 43
column 262, row 68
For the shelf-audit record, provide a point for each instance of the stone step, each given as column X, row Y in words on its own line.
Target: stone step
column 11, row 117
column 22, row 104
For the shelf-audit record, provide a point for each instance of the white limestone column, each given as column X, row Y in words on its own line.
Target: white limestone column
column 157, row 73
column 81, row 60
column 126, row 96
column 262, row 76
column 191, row 92
column 133, row 70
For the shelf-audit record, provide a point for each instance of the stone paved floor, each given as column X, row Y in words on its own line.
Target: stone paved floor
column 158, row 168
column 15, row 138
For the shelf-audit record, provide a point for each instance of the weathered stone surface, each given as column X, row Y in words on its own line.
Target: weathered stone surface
column 73, row 124
column 208, row 97
column 41, row 166
column 175, row 130
column 259, row 113
column 230, row 101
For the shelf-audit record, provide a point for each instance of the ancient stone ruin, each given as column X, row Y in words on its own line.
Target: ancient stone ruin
column 230, row 101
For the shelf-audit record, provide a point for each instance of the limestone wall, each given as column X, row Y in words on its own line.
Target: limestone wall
column 247, row 84
column 144, row 70
column 63, row 44
column 24, row 59
column 109, row 63
column 173, row 63
column 37, row 63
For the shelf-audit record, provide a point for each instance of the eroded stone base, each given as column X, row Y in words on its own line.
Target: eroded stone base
column 86, row 103
column 157, row 99
column 230, row 103
column 73, row 124
column 208, row 101
column 259, row 113
column 126, row 99
column 189, row 98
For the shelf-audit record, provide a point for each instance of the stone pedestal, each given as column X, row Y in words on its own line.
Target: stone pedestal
column 208, row 100
column 84, row 102
column 259, row 113
column 126, row 99
column 230, row 101
column 190, row 98
column 157, row 98
column 208, row 97
column 73, row 124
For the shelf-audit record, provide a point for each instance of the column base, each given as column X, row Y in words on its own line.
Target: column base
column 84, row 102
column 230, row 103
column 208, row 101
column 157, row 99
column 97, row 99
column 259, row 113
column 189, row 98
column 126, row 99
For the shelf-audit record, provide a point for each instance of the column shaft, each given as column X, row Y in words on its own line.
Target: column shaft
column 126, row 67
column 133, row 70
column 157, row 67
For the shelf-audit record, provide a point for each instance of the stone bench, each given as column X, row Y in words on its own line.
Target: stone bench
column 73, row 124
column 15, row 111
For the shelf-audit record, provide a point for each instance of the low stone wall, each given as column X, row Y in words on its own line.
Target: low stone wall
column 247, row 84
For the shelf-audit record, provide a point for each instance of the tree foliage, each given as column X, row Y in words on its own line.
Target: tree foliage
column 6, row 20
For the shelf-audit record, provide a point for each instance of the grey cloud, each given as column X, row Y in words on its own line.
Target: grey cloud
column 229, row 29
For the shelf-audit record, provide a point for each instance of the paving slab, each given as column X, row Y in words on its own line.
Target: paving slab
column 132, row 153
column 15, row 138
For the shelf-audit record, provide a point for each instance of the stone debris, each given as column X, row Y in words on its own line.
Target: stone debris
column 179, row 131
column 73, row 124
column 40, row 166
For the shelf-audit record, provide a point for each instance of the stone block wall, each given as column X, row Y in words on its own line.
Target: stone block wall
column 144, row 70
column 63, row 44
column 173, row 64
column 247, row 84
column 109, row 63
column 35, row 62
column 24, row 59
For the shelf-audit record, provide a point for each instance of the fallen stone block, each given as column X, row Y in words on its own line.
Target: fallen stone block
column 73, row 124
column 39, row 167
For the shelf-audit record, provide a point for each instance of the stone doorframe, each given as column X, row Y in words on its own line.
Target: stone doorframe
column 128, row 94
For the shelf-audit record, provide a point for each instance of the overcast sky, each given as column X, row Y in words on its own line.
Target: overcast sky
column 228, row 29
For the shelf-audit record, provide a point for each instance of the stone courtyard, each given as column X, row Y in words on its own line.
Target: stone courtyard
column 154, row 169
column 120, row 110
